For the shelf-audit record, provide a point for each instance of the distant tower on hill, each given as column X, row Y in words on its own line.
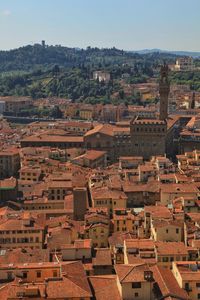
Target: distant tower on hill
column 164, row 89
column 43, row 44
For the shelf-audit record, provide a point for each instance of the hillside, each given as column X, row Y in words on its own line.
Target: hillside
column 29, row 58
column 194, row 54
column 39, row 71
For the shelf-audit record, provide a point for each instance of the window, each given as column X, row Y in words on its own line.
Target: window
column 136, row 285
column 198, row 296
column 136, row 294
column 198, row 284
column 38, row 274
column 167, row 230
column 186, row 286
column 24, row 275
column 165, row 259
column 55, row 274
column 177, row 230
column 10, row 275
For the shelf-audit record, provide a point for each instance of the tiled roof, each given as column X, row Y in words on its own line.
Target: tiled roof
column 105, row 287
column 168, row 284
column 103, row 257
column 171, row 248
column 131, row 273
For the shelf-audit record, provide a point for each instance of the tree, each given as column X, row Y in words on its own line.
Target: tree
column 56, row 113
column 121, row 94
column 55, row 70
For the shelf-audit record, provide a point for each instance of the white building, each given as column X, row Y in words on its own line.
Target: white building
column 101, row 76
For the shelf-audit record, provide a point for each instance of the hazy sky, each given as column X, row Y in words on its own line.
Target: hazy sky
column 125, row 24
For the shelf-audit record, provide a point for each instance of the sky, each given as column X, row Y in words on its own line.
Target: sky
column 124, row 24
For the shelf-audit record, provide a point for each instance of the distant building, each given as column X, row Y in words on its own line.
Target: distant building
column 8, row 190
column 91, row 159
column 148, row 136
column 9, row 162
column 184, row 64
column 86, row 112
column 109, row 113
column 101, row 76
column 21, row 231
column 13, row 105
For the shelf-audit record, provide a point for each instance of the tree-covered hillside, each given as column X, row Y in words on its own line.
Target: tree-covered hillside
column 39, row 71
column 29, row 58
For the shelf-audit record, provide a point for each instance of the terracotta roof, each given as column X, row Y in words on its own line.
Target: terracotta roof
column 179, row 188
column 102, row 128
column 158, row 211
column 139, row 244
column 91, row 155
column 153, row 187
column 9, row 151
column 131, row 273
column 7, row 184
column 105, row 192
column 53, row 138
column 74, row 271
column 27, row 255
column 132, row 259
column 167, row 284
column 67, row 288
column 18, row 224
column 194, row 216
column 165, row 223
column 103, row 257
column 105, row 287
column 185, row 269
column 171, row 248
column 118, row 238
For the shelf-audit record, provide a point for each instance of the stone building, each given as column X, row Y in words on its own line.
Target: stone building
column 148, row 136
column 145, row 136
column 9, row 162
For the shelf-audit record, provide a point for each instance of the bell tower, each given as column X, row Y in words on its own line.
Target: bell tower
column 164, row 89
